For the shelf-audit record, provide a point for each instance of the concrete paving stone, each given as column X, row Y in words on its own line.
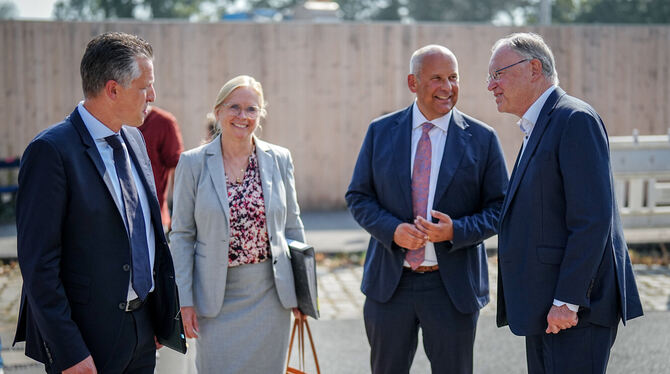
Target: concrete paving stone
column 330, row 290
column 348, row 276
column 340, row 299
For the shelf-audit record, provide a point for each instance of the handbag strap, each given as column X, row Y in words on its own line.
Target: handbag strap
column 300, row 326
column 311, row 342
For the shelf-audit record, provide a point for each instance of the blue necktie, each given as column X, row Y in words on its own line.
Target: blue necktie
column 134, row 220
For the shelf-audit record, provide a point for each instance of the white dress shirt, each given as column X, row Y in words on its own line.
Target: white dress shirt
column 527, row 124
column 528, row 120
column 438, row 139
column 99, row 132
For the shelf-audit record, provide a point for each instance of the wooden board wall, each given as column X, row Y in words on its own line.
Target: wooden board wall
column 325, row 82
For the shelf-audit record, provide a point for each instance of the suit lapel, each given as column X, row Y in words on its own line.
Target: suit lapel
column 217, row 173
column 401, row 148
column 458, row 138
column 94, row 155
column 267, row 165
column 145, row 172
column 535, row 138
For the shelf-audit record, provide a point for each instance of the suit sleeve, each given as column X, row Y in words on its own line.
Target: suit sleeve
column 294, row 228
column 362, row 199
column 40, row 215
column 472, row 229
column 184, row 230
column 584, row 166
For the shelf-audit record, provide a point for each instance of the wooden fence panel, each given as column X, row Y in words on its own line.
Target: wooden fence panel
column 325, row 82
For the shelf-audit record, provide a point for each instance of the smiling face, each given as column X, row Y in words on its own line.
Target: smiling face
column 435, row 85
column 133, row 100
column 238, row 126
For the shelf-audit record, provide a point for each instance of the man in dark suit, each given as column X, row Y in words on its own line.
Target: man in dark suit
column 428, row 186
column 565, row 278
column 98, row 279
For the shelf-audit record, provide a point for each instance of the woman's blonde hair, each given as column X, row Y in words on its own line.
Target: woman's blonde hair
column 229, row 87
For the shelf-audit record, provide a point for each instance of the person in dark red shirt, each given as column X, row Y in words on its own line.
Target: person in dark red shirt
column 164, row 145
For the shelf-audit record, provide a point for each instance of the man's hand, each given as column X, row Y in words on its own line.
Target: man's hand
column 436, row 232
column 190, row 320
column 408, row 236
column 560, row 318
column 86, row 366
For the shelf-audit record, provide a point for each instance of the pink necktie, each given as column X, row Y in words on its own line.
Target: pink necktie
column 420, row 187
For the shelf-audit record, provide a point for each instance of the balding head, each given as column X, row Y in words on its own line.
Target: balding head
column 416, row 61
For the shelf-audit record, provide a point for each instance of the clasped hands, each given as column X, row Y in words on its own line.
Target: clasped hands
column 415, row 235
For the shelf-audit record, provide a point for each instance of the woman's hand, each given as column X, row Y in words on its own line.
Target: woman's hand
column 190, row 322
column 298, row 314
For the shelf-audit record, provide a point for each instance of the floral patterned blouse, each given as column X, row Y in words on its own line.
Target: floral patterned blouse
column 248, row 231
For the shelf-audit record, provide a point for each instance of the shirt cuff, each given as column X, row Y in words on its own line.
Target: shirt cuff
column 572, row 307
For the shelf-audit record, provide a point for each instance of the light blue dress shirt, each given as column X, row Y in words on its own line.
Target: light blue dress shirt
column 99, row 132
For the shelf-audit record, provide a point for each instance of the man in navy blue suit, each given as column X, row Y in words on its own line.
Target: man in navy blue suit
column 428, row 186
column 98, row 278
column 565, row 278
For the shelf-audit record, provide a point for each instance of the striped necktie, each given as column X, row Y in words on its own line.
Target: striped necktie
column 420, row 188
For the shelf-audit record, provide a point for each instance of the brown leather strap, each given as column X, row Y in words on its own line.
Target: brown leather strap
column 290, row 349
column 311, row 342
column 300, row 326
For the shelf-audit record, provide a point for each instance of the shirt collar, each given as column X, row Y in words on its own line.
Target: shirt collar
column 418, row 119
column 96, row 128
column 528, row 120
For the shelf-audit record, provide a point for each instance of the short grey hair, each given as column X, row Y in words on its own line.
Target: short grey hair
column 112, row 56
column 531, row 46
column 416, row 60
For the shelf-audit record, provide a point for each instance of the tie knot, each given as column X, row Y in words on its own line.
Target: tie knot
column 427, row 126
column 113, row 141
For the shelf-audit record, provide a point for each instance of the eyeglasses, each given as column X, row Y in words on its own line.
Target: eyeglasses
column 495, row 76
column 251, row 112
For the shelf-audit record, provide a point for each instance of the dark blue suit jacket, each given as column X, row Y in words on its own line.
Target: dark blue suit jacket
column 560, row 233
column 470, row 189
column 74, row 251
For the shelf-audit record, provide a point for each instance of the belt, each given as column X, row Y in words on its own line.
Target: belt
column 423, row 269
column 134, row 304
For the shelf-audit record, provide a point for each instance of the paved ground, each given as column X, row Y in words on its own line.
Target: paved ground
column 641, row 348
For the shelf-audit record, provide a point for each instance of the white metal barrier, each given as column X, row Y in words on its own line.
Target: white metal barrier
column 641, row 167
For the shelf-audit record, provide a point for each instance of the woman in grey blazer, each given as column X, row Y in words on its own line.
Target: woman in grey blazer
column 234, row 207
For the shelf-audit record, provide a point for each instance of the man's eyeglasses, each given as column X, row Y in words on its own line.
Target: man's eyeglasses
column 251, row 112
column 495, row 76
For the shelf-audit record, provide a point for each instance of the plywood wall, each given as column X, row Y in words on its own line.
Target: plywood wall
column 325, row 82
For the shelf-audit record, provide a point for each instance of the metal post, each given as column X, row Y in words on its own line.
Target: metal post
column 545, row 12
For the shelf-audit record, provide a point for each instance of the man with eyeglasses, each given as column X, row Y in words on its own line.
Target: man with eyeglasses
column 564, row 275
column 428, row 186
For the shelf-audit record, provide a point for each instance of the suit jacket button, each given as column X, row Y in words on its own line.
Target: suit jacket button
column 126, row 267
column 274, row 262
column 122, row 305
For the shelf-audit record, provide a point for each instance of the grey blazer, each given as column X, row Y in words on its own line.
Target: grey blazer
column 200, row 234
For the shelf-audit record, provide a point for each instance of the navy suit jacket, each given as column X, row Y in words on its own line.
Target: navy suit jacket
column 470, row 189
column 560, row 233
column 74, row 250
